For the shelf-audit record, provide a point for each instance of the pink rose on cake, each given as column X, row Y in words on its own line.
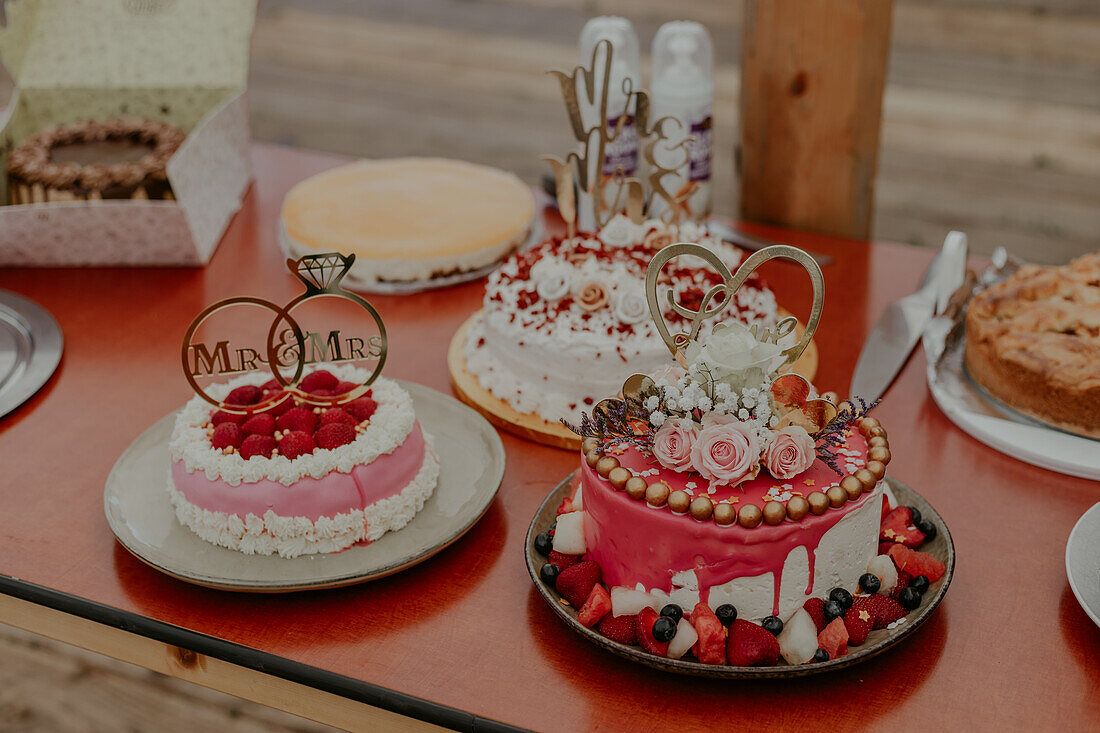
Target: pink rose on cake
column 726, row 451
column 790, row 453
column 673, row 442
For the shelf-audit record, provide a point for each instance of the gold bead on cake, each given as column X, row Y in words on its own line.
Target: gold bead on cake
column 635, row 487
column 750, row 516
column 774, row 512
column 619, row 476
column 797, row 507
column 605, row 465
column 818, row 502
column 657, row 494
column 679, row 501
column 701, row 508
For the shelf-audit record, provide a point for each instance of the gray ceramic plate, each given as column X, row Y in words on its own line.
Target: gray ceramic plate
column 877, row 641
column 30, row 349
column 472, row 464
column 1083, row 562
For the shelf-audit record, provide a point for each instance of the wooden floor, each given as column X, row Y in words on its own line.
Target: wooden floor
column 991, row 125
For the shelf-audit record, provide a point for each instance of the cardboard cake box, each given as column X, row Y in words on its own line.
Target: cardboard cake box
column 185, row 63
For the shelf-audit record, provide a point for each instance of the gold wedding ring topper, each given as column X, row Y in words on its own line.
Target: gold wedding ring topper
column 288, row 349
column 580, row 88
column 718, row 297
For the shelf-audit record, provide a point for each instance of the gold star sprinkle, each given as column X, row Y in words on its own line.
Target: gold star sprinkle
column 864, row 616
column 809, row 482
column 888, row 533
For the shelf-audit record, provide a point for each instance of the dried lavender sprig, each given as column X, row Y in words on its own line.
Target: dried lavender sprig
column 831, row 436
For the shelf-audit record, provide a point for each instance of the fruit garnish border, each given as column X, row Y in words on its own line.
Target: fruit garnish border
column 877, row 642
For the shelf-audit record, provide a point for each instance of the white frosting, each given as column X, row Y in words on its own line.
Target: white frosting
column 294, row 536
column 388, row 428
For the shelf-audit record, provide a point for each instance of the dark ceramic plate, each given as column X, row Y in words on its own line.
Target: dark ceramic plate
column 877, row 642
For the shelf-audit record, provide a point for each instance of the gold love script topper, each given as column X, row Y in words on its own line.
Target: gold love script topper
column 288, row 346
column 720, row 296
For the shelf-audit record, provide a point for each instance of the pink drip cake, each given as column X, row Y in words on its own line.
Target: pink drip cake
column 293, row 479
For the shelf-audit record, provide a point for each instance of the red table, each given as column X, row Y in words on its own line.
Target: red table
column 463, row 639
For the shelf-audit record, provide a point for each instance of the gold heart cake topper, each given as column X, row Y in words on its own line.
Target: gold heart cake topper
column 721, row 295
column 287, row 344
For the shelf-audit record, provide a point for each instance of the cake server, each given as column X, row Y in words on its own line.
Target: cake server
column 900, row 326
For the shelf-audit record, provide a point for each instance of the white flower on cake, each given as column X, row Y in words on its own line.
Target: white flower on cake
column 619, row 232
column 733, row 356
column 631, row 307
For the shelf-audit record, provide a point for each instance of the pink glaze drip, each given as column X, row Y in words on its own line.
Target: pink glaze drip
column 633, row 542
column 332, row 494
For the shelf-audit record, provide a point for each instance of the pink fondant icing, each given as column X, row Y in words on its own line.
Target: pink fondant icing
column 635, row 543
column 332, row 494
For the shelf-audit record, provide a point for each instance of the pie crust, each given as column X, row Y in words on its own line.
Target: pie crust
column 1033, row 342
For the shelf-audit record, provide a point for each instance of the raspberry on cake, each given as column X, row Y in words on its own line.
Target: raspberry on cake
column 298, row 484
column 564, row 322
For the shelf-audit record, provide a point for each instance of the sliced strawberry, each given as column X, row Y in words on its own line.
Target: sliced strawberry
column 575, row 583
column 711, row 646
column 884, row 547
column 623, row 629
column 566, row 505
column 859, row 620
column 562, row 560
column 596, row 606
column 898, row 527
column 904, row 579
column 750, row 645
column 816, row 608
column 917, row 563
column 834, row 638
column 646, row 618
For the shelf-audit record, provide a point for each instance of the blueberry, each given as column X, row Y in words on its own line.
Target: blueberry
column 927, row 529
column 909, row 597
column 841, row 596
column 833, row 610
column 919, row 584
column 549, row 573
column 869, row 582
column 821, row 656
column 726, row 613
column 544, row 543
column 664, row 629
column 772, row 625
column 550, row 530
column 916, row 515
column 673, row 612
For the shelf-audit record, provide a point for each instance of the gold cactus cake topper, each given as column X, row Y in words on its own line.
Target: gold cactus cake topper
column 288, row 346
column 580, row 87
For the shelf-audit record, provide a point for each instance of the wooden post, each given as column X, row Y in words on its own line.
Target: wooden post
column 812, row 76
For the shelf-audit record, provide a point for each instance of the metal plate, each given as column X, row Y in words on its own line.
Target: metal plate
column 942, row 548
column 1000, row 427
column 1083, row 562
column 139, row 513
column 30, row 349
column 535, row 236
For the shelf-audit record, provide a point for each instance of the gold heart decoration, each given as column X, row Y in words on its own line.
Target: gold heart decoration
column 730, row 283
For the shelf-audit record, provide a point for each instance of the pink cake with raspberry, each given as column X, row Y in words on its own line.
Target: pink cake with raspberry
column 294, row 479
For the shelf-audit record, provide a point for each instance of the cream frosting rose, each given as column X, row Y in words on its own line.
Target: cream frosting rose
column 726, row 451
column 620, row 231
column 791, row 451
column 631, row 307
column 592, row 296
column 673, row 442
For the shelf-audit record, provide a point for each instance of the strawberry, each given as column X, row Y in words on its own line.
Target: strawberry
column 361, row 409
column 344, row 387
column 904, row 579
column 257, row 445
column 333, row 435
column 321, row 392
column 296, row 443
column 259, row 425
column 335, row 415
column 859, row 620
column 898, row 527
column 248, row 394
column 221, row 416
column 885, row 509
column 750, row 645
column 917, row 563
column 816, row 608
column 297, row 418
column 566, row 505
column 596, row 606
column 278, row 402
column 646, row 618
column 271, row 385
column 623, row 629
column 711, row 645
column 562, row 560
column 576, row 581
column 319, row 379
column 883, row 609
column 834, row 638
column 884, row 547
column 226, row 435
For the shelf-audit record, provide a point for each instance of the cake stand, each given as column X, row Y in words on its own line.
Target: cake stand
column 534, row 428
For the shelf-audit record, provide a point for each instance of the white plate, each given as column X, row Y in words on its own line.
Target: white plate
column 1015, row 435
column 351, row 282
column 30, row 349
column 1083, row 562
column 471, row 459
